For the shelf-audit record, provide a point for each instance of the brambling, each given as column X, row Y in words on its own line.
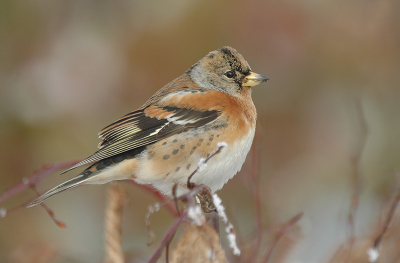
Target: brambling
column 162, row 142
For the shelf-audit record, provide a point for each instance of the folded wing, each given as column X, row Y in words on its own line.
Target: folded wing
column 146, row 126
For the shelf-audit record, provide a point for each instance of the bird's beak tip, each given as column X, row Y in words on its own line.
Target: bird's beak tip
column 254, row 79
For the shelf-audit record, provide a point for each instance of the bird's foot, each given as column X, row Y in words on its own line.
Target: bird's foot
column 206, row 200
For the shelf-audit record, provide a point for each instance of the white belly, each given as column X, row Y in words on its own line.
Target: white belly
column 218, row 171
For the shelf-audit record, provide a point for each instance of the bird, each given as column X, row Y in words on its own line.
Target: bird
column 164, row 141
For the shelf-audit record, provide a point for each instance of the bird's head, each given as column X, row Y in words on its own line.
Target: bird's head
column 225, row 70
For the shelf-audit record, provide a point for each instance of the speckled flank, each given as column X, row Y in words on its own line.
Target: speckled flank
column 167, row 161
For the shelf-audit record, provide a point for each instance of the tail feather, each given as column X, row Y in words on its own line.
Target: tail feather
column 74, row 182
column 88, row 176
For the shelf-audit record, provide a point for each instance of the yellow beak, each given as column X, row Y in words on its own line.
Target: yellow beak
column 253, row 79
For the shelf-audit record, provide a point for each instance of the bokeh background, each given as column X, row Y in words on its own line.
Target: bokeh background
column 69, row 68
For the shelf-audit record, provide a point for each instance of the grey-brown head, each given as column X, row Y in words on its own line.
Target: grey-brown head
column 224, row 70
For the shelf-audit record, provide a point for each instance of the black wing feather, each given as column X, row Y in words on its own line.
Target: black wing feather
column 136, row 129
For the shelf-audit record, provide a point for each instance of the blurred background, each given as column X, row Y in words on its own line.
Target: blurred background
column 69, row 68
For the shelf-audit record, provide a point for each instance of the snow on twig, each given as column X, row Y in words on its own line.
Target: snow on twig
column 231, row 235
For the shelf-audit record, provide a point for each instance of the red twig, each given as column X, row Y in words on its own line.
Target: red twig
column 167, row 238
column 388, row 221
column 175, row 198
column 285, row 228
column 44, row 172
column 30, row 182
column 50, row 212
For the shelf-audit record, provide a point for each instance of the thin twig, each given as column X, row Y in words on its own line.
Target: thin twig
column 357, row 173
column 215, row 222
column 175, row 198
column 30, row 182
column 230, row 231
column 388, row 222
column 50, row 212
column 285, row 228
column 167, row 237
column 37, row 176
column 203, row 163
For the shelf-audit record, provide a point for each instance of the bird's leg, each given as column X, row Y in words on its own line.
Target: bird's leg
column 208, row 207
column 205, row 197
column 206, row 200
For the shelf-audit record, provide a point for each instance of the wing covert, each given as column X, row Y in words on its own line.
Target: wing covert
column 145, row 126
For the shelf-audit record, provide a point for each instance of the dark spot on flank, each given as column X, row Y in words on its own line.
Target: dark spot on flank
column 194, row 147
column 211, row 139
column 177, row 169
column 175, row 140
column 182, row 146
column 185, row 87
column 212, row 135
column 166, row 156
column 200, row 140
column 188, row 166
column 199, row 144
column 164, row 143
column 217, row 135
column 175, row 152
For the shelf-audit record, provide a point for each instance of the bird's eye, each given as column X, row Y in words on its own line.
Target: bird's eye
column 230, row 74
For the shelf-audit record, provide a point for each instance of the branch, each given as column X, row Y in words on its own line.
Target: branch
column 357, row 173
column 44, row 172
column 30, row 182
column 285, row 228
column 49, row 211
column 167, row 238
column 374, row 251
column 203, row 163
